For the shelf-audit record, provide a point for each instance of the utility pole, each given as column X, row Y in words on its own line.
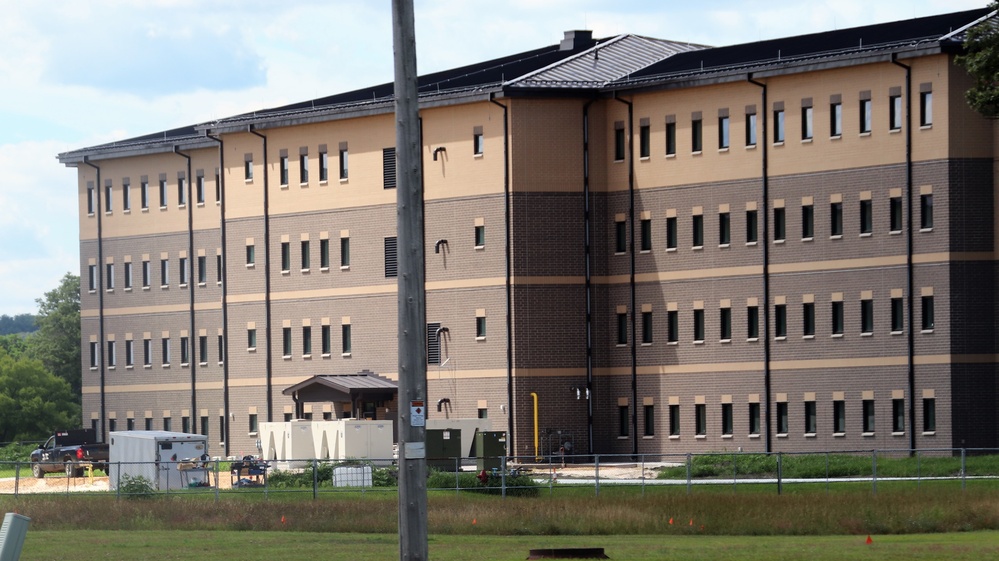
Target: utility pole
column 411, row 295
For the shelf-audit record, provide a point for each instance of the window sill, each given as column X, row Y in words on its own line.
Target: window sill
column 898, row 434
column 183, row 285
column 807, row 239
column 696, row 153
column 837, row 335
column 780, row 338
column 922, row 230
column 754, row 436
column 285, row 357
column 670, row 249
column 621, row 345
column 752, row 339
column 147, row 366
column 181, row 206
column 806, row 140
column 700, row 437
column 670, row 156
column 307, row 356
column 809, row 435
column 620, row 253
column 674, row 437
column 751, row 147
column 642, row 345
column 304, row 185
column 252, row 433
column 305, row 271
column 867, row 434
column 648, row 437
column 480, row 338
column 127, row 211
column 697, row 248
column 725, row 341
column 93, row 368
column 165, row 365
column 836, row 237
column 251, row 265
column 749, row 244
column 164, row 286
column 778, row 144
column 218, row 283
column 202, row 364
column 723, row 245
column 896, row 332
column 221, row 363
column 477, row 155
column 865, row 234
column 672, row 342
column 782, row 435
column 929, row 433
column 698, row 342
column 92, row 291
column 130, row 367
column 926, row 127
column 201, row 204
column 112, row 367
column 618, row 161
column 643, row 159
column 836, row 137
column 345, row 355
column 325, row 355
column 622, row 438
column 284, row 186
column 839, row 434
column 90, row 215
column 251, row 349
column 323, row 182
column 143, row 209
column 726, row 437
column 723, row 150
column 108, row 212
column 185, row 364
column 895, row 232
column 201, row 284
column 285, row 272
column 926, row 331
column 644, row 251
column 808, row 336
column 778, row 242
column 894, row 131
column 865, row 134
column 344, row 267
column 867, row 334
column 343, row 180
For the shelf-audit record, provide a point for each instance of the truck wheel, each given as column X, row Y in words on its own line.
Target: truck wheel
column 71, row 470
column 36, row 470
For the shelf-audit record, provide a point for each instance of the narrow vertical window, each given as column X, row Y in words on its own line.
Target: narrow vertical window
column 218, row 186
column 185, row 350
column 780, row 320
column 895, row 214
column 810, row 417
column 806, row 123
column 647, row 328
column 344, row 155
column 144, row 195
column 671, row 232
column 108, row 190
column 867, row 316
column 837, row 318
column 327, row 343
column 752, row 226
column 109, row 274
column 752, row 322
column 345, row 339
column 619, row 141
column 836, row 119
column 672, row 326
column 200, row 189
column 478, row 142
column 807, row 222
column 670, row 137
column 480, row 327
column 650, row 420
column 754, row 419
column 925, row 107
column 344, row 253
column 782, row 421
column 622, row 328
column 700, row 419
column 251, row 338
column 286, row 342
column 897, row 317
column 181, row 191
column 91, row 199
column 251, row 255
column 898, row 415
column 866, row 117
column 129, row 352
column 324, row 165
column 112, row 359
column 283, row 163
column 698, row 326
column 306, row 340
column 696, row 134
column 780, row 225
column 164, row 272
column 725, row 321
column 620, row 237
column 929, row 414
column 928, row 320
column 306, row 258
column 724, row 229
column 839, row 417
column 868, row 414
column 146, row 274
column 220, row 344
column 674, row 420
column 165, row 350
column 324, row 254
column 92, row 277
column 751, row 129
column 285, row 256
column 895, row 112
column 644, row 140
column 866, row 216
column 779, row 126
column 723, row 133
column 163, row 193
column 253, row 423
column 808, row 318
column 202, row 270
column 147, row 352
column 303, row 168
column 646, row 234
column 623, row 420
column 126, row 197
column 480, row 236
column 698, row 230
column 926, row 211
column 203, row 349
column 836, row 219
column 182, row 270
column 128, row 275
column 726, row 414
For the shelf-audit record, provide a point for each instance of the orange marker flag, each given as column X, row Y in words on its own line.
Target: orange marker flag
column 283, row 520
column 691, row 521
column 670, row 520
column 474, row 521
column 869, row 540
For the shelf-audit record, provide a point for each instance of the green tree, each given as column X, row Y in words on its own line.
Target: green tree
column 33, row 402
column 57, row 341
column 16, row 346
column 981, row 60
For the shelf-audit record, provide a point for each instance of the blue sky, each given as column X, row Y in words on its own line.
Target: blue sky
column 82, row 73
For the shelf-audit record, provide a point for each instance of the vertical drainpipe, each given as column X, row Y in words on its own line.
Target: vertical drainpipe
column 267, row 277
column 100, row 293
column 765, row 211
column 510, row 449
column 909, row 269
column 631, row 279
column 191, row 284
column 588, row 265
column 225, row 300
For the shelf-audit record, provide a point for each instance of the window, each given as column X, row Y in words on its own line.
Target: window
column 483, row 413
column 751, row 129
column 929, row 414
column 108, row 190
column 253, row 422
column 324, row 254
column 202, row 270
column 248, row 168
column 623, row 419
column 726, row 412
column 619, row 142
column 480, row 327
column 203, row 349
column 928, row 321
column 218, row 269
column 185, row 350
column 147, row 352
column 391, row 264
column 810, row 417
column 674, row 420
column 696, row 135
column 895, row 112
column 897, row 321
column 698, row 230
column 112, row 359
column 925, row 109
column 724, row 229
column 126, row 197
column 808, row 318
column 698, row 326
column 895, row 214
column 866, row 217
column 182, row 266
column 898, row 415
column 650, row 420
column 221, row 348
column 164, row 272
column 165, row 350
column 324, row 166
column 344, row 252
column 204, row 426
column 128, row 275
column 752, row 226
column 306, row 340
column 752, row 322
column 622, row 328
column 836, row 119
column 388, row 168
column 346, row 342
column 129, row 424
column 303, row 168
column 806, row 123
column 725, row 320
column 867, row 316
column 200, row 190
column 285, row 257
column 129, row 352
column 92, row 276
column 480, row 236
column 868, row 414
column 671, row 232
column 754, row 419
column 149, row 424
column 782, row 424
column 836, row 219
column 646, row 232
column 780, row 320
column 620, row 236
column 723, row 133
column 327, row 340
column 218, row 187
column 109, row 273
column 305, row 255
column 286, row 342
column 672, row 326
column 144, row 195
column 163, row 193
column 866, row 119
column 837, row 318
column 670, row 138
column 251, row 255
column 926, row 212
column 478, row 143
column 284, row 169
column 251, row 338
column 644, row 139
column 647, row 328
column 700, row 419
column 779, row 126
column 839, row 416
column 167, row 423
column 344, row 169
column 807, row 222
column 780, row 224
column 91, row 199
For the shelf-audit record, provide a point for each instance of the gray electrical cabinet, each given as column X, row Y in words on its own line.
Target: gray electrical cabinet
column 444, row 449
column 490, row 447
column 12, row 534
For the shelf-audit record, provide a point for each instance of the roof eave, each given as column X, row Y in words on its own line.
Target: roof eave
column 105, row 152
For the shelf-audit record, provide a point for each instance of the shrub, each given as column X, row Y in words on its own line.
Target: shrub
column 519, row 486
column 135, row 487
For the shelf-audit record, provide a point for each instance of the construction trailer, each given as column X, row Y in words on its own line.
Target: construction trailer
column 167, row 460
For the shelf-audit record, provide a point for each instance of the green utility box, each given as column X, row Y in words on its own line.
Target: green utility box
column 444, row 449
column 490, row 447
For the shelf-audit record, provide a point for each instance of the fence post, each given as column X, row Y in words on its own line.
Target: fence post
column 919, row 469
column 315, row 479
column 735, row 474
column 964, row 471
column 503, row 476
column 216, row 481
column 689, row 488
column 827, row 473
column 874, row 472
column 596, row 473
column 643, row 474
column 117, row 481
column 780, row 473
column 17, row 477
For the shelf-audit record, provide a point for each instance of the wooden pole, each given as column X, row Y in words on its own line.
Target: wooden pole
column 411, row 295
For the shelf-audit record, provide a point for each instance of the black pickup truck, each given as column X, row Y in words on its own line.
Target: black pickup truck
column 69, row 451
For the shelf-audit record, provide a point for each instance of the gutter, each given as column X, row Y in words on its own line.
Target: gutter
column 507, row 232
column 100, row 295
column 588, row 265
column 631, row 279
column 267, row 279
column 191, row 286
column 224, row 429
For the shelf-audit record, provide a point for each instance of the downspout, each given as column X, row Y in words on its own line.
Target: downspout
column 191, row 284
column 765, row 211
column 225, row 300
column 267, row 278
column 588, row 265
column 631, row 276
column 909, row 268
column 100, row 293
column 507, row 218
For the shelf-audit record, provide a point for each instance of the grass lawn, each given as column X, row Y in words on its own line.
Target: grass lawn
column 290, row 546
